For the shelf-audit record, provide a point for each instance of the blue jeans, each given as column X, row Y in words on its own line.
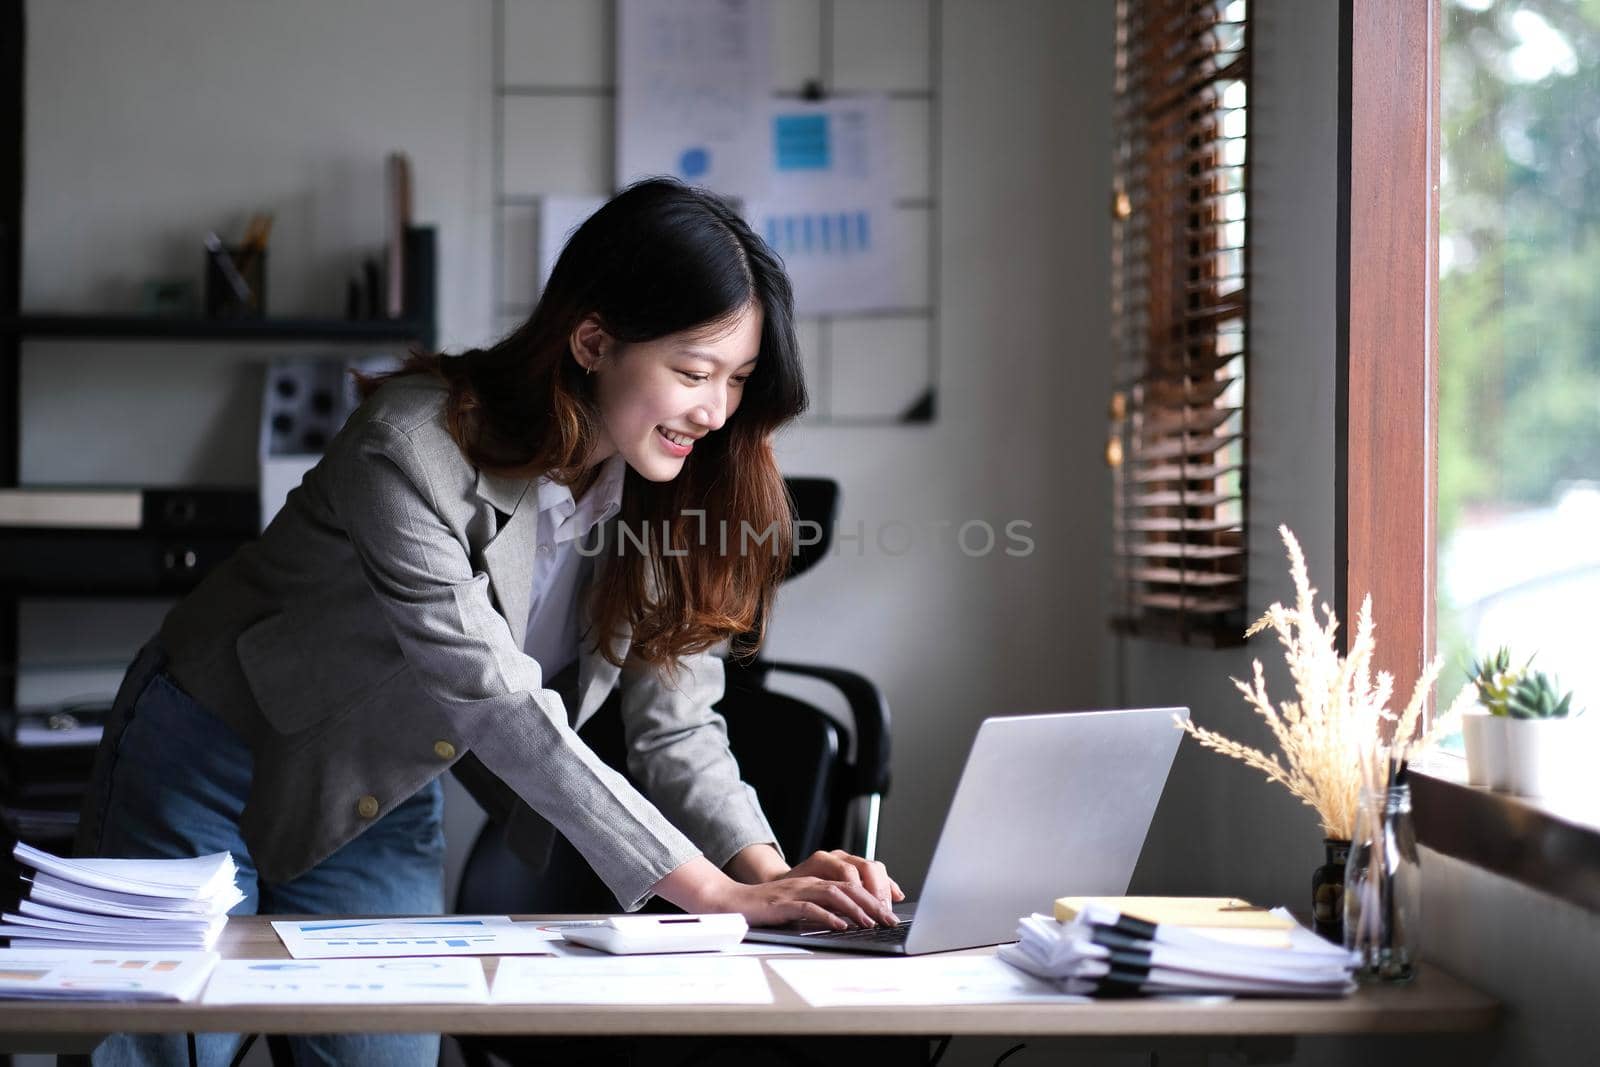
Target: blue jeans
column 171, row 780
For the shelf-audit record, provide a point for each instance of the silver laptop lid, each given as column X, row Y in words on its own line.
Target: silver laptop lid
column 1048, row 806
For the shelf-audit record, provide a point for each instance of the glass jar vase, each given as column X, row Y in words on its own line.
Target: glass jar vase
column 1383, row 887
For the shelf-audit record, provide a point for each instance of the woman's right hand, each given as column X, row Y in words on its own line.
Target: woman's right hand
column 698, row 886
column 813, row 901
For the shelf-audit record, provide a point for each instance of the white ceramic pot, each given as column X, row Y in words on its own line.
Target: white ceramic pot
column 1546, row 757
column 1485, row 738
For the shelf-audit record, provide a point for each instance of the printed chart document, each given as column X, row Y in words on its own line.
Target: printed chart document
column 693, row 81
column 670, row 979
column 829, row 203
column 916, row 980
column 393, row 981
column 425, row 935
column 86, row 974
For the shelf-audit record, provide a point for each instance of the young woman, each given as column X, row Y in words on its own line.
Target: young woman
column 490, row 545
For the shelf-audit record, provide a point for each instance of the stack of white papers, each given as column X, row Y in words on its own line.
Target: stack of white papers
column 86, row 974
column 1102, row 953
column 150, row 905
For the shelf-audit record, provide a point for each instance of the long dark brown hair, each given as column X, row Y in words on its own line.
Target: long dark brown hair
column 659, row 258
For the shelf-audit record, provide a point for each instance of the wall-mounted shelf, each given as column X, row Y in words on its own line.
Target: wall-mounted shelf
column 154, row 328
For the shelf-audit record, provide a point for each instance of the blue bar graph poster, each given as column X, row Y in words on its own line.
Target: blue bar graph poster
column 829, row 204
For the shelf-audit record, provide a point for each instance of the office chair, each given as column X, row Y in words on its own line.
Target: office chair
column 819, row 788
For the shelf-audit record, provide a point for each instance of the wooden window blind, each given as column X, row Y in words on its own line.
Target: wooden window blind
column 1180, row 309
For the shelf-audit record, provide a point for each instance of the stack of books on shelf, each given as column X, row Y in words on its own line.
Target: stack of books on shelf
column 1145, row 946
column 114, row 904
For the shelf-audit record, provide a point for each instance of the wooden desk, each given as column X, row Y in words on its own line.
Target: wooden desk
column 1434, row 1003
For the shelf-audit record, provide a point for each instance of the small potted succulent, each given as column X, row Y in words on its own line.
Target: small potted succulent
column 1483, row 729
column 1526, row 740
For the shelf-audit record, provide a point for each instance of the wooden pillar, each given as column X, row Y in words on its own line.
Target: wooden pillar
column 1388, row 278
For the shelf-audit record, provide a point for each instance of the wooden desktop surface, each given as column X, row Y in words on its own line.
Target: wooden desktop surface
column 1434, row 1003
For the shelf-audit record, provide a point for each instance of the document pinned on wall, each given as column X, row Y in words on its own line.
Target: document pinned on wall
column 559, row 218
column 828, row 202
column 391, row 981
column 693, row 82
column 438, row 935
column 667, row 979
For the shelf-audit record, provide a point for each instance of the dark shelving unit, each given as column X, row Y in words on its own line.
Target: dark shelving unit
column 153, row 561
column 274, row 330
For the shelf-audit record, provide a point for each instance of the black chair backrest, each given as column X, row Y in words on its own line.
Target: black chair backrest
column 816, row 513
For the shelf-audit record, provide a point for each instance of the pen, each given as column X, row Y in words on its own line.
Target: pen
column 255, row 241
column 225, row 264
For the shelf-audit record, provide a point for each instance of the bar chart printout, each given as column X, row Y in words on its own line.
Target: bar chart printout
column 829, row 203
column 438, row 935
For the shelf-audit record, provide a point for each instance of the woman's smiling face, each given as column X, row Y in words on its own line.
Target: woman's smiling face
column 656, row 398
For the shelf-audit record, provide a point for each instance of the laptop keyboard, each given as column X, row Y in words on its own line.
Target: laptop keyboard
column 884, row 935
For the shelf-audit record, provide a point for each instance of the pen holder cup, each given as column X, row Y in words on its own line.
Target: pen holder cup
column 236, row 283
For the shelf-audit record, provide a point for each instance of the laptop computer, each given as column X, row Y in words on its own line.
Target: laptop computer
column 1048, row 806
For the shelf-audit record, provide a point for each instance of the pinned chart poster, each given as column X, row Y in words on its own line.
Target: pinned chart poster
column 828, row 204
column 438, row 935
column 693, row 81
column 395, row 981
column 665, row 979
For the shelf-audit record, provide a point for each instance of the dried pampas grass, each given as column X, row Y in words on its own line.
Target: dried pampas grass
column 1340, row 734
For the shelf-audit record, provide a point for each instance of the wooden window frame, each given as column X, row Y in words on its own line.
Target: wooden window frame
column 1386, row 425
column 1386, row 484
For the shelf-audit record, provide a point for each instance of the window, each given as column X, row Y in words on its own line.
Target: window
column 1519, row 336
column 1179, row 319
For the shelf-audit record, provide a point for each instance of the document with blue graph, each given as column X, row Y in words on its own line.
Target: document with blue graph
column 693, row 80
column 829, row 206
column 435, row 935
column 395, row 981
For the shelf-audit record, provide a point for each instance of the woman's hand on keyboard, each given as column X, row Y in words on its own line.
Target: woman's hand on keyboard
column 869, row 876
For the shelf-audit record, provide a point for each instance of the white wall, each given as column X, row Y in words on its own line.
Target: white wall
column 149, row 124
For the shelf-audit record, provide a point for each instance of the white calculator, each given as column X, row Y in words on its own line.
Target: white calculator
column 626, row 935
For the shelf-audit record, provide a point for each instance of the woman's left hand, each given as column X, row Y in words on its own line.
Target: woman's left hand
column 841, row 866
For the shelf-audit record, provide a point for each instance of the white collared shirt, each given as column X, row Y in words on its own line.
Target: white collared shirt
column 559, row 571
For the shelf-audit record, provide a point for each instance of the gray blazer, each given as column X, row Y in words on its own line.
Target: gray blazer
column 372, row 638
